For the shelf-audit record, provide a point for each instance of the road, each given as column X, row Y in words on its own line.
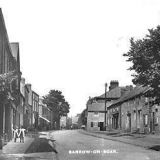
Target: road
column 74, row 145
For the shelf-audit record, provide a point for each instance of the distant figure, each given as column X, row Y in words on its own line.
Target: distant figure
column 21, row 134
column 15, row 133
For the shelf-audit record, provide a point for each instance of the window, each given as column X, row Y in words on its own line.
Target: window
column 156, row 120
column 91, row 124
column 145, row 119
column 96, row 113
column 134, row 113
column 108, row 121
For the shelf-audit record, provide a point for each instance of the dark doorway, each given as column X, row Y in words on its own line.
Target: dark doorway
column 115, row 121
column 153, row 122
column 101, row 125
column 129, row 121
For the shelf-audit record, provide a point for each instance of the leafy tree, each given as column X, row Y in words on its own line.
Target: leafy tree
column 145, row 57
column 9, row 88
column 82, row 120
column 58, row 105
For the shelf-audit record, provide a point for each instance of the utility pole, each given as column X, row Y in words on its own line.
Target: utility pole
column 105, row 122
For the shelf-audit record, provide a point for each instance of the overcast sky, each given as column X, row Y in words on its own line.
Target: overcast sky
column 76, row 45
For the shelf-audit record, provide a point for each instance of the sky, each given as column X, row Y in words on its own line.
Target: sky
column 76, row 46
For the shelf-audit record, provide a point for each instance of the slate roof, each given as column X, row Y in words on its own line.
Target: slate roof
column 114, row 93
column 132, row 94
column 3, row 30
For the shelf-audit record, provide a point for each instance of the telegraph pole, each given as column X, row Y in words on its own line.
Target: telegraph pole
column 105, row 122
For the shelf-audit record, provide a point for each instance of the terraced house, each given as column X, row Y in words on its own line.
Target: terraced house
column 44, row 117
column 10, row 75
column 135, row 112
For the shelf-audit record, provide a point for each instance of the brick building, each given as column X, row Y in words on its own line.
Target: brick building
column 135, row 112
column 35, row 109
column 28, row 102
column 44, row 119
column 96, row 107
column 10, row 76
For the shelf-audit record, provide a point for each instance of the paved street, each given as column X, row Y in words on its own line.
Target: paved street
column 69, row 144
column 74, row 145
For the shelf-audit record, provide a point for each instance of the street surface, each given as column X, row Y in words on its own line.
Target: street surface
column 73, row 145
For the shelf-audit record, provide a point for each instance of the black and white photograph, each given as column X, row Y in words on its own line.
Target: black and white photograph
column 79, row 80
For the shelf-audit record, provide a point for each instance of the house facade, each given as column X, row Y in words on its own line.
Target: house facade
column 27, row 108
column 28, row 95
column 135, row 112
column 44, row 119
column 35, row 109
column 97, row 117
column 10, row 76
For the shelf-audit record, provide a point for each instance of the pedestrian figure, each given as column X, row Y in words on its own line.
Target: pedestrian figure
column 21, row 134
column 15, row 133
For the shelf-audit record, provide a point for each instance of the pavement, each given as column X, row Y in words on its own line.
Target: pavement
column 34, row 147
column 146, row 141
column 16, row 147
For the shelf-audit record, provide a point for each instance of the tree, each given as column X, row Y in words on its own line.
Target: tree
column 58, row 105
column 145, row 57
column 82, row 120
column 9, row 88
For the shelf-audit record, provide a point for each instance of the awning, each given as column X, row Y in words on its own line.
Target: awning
column 44, row 118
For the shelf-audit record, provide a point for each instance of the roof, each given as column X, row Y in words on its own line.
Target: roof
column 3, row 34
column 34, row 93
column 3, row 30
column 114, row 93
column 132, row 94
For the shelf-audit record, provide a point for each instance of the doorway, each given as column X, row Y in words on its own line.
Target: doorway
column 115, row 121
column 129, row 122
column 153, row 122
column 101, row 125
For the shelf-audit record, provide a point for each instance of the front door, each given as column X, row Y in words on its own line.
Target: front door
column 129, row 122
column 115, row 121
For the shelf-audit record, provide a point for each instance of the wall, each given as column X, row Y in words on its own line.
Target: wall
column 94, row 117
column 156, row 118
column 138, row 109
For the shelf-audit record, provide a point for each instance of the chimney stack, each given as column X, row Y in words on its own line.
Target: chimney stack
column 113, row 84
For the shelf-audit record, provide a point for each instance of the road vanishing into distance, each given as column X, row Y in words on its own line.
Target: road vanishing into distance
column 75, row 145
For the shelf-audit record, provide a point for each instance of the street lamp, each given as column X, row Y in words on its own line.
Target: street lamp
column 105, row 105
